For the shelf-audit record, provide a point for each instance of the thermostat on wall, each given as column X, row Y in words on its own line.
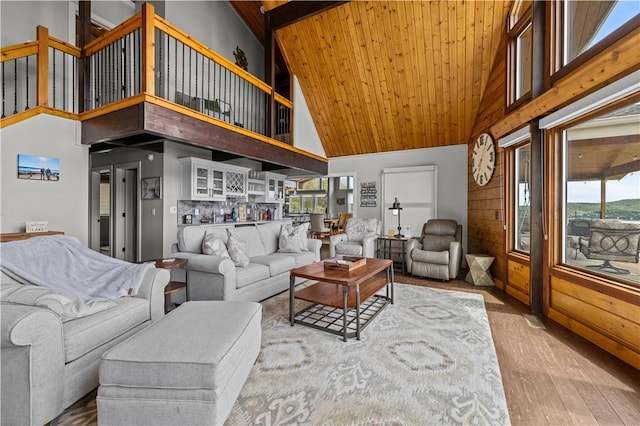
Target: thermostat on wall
column 37, row 226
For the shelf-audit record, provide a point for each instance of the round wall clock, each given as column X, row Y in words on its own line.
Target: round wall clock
column 483, row 160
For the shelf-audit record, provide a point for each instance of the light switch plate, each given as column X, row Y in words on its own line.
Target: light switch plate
column 37, row 226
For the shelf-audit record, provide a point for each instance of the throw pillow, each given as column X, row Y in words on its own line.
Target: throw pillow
column 293, row 238
column 67, row 306
column 213, row 245
column 238, row 251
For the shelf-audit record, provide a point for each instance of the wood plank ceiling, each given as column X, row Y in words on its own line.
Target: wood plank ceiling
column 392, row 75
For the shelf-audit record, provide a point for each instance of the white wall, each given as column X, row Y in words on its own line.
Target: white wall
column 218, row 26
column 305, row 135
column 65, row 203
column 20, row 18
column 452, row 178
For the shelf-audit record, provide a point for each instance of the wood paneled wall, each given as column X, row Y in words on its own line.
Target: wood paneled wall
column 485, row 211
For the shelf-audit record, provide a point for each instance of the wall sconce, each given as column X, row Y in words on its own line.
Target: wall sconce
column 150, row 157
column 395, row 210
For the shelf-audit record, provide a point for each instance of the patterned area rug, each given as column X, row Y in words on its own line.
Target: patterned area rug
column 427, row 359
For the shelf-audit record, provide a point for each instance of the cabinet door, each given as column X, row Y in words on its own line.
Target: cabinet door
column 201, row 182
column 271, row 189
column 280, row 189
column 217, row 184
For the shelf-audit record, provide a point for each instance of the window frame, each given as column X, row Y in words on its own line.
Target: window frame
column 514, row 31
column 555, row 139
column 557, row 69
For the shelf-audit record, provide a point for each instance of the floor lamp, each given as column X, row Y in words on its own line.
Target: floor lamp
column 395, row 210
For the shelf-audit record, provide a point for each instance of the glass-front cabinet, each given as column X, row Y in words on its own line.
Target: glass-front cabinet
column 207, row 180
column 274, row 185
column 201, row 180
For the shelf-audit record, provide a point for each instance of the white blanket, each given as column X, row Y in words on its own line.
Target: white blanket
column 61, row 263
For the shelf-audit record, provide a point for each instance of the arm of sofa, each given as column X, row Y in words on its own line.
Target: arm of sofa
column 334, row 240
column 455, row 258
column 411, row 244
column 152, row 288
column 314, row 245
column 32, row 365
column 369, row 246
column 209, row 277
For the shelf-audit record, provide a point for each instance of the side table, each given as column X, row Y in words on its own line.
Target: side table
column 386, row 250
column 173, row 286
column 479, row 273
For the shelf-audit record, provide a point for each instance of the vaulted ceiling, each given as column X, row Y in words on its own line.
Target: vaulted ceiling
column 392, row 75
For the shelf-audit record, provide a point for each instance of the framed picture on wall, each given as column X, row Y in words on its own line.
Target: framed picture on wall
column 36, row 167
column 151, row 188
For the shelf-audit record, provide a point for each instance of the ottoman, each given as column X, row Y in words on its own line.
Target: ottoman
column 186, row 368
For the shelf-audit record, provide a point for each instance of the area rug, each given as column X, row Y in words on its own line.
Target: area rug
column 427, row 359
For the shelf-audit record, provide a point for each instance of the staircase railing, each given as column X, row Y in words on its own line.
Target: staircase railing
column 145, row 59
column 39, row 76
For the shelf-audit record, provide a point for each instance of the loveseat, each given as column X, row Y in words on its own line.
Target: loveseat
column 52, row 341
column 216, row 276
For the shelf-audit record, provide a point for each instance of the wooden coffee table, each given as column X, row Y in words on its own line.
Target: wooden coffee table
column 343, row 302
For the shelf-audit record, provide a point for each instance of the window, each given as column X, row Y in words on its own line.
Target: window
column 522, row 197
column 520, row 52
column 583, row 24
column 601, row 204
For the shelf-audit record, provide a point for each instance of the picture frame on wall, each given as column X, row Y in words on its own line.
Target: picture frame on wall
column 37, row 167
column 151, row 188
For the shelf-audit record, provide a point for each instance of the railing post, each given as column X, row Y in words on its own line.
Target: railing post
column 42, row 80
column 148, row 49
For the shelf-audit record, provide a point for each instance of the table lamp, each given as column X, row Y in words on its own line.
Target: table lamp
column 395, row 210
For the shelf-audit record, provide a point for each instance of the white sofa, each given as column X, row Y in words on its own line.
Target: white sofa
column 48, row 363
column 211, row 277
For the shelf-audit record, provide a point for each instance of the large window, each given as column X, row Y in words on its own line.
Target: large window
column 601, row 158
column 583, row 24
column 520, row 51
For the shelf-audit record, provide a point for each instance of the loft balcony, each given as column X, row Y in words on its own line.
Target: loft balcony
column 147, row 81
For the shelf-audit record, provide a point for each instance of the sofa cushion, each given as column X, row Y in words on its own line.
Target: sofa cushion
column 82, row 335
column 213, row 245
column 238, row 251
column 250, row 274
column 435, row 257
column 300, row 259
column 351, row 248
column 358, row 229
column 269, row 233
column 67, row 306
column 277, row 264
column 293, row 238
column 249, row 234
column 437, row 242
column 190, row 237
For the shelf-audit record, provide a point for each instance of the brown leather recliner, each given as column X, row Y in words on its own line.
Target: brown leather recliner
column 438, row 252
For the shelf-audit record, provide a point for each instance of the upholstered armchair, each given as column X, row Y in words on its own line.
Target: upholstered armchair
column 438, row 252
column 358, row 239
column 611, row 240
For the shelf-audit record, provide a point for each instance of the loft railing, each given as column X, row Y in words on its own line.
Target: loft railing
column 39, row 75
column 147, row 56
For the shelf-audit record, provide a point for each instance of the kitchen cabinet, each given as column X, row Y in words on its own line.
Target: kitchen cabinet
column 274, row 187
column 207, row 180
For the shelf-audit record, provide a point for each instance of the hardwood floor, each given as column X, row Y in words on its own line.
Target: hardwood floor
column 551, row 376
